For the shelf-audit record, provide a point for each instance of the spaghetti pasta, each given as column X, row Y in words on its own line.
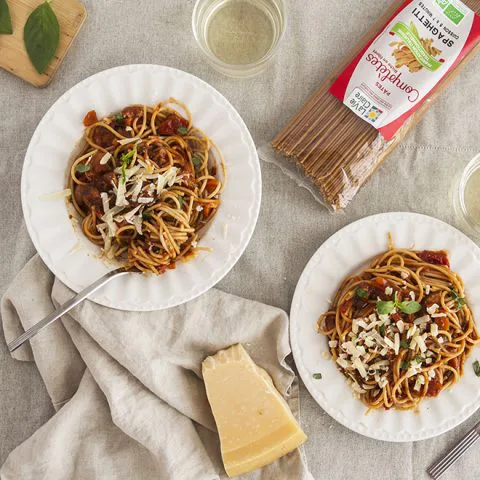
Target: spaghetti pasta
column 337, row 150
column 146, row 185
column 401, row 330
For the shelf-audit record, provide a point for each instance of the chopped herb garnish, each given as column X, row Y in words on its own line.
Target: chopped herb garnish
column 476, row 368
column 120, row 118
column 419, row 359
column 146, row 215
column 458, row 299
column 182, row 130
column 125, row 159
column 361, row 292
column 317, row 376
column 82, row 168
column 181, row 201
column 197, row 161
column 403, row 365
column 382, row 330
column 404, row 344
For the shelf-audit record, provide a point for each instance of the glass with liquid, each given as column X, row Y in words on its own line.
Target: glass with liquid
column 468, row 197
column 238, row 37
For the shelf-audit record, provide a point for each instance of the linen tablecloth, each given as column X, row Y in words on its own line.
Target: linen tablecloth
column 419, row 176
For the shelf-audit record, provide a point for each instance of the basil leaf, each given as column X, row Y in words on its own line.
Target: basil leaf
column 476, row 368
column 404, row 344
column 41, row 36
column 317, row 376
column 120, row 118
column 361, row 292
column 403, row 365
column 419, row 359
column 382, row 330
column 82, row 168
column 182, row 130
column 197, row 161
column 181, row 201
column 146, row 216
column 5, row 19
column 384, row 308
column 409, row 307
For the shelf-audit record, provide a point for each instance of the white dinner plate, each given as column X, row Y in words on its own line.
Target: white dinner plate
column 64, row 249
column 347, row 252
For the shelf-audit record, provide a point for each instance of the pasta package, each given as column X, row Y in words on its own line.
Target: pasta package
column 361, row 112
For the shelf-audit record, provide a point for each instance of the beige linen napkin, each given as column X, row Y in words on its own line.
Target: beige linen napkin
column 127, row 386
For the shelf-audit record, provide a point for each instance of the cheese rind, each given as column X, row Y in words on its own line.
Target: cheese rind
column 254, row 422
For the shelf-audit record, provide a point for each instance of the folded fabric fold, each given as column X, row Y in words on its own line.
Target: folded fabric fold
column 134, row 403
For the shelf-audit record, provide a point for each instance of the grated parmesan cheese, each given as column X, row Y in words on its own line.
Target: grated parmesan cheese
column 421, row 343
column 126, row 141
column 105, row 158
column 422, row 320
column 105, row 202
column 397, row 343
column 145, row 200
column 432, row 309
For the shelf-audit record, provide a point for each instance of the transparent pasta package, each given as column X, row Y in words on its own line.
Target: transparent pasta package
column 363, row 110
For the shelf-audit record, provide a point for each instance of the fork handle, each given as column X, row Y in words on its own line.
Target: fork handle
column 440, row 467
column 67, row 306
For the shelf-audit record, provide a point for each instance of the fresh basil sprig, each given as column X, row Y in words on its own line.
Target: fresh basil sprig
column 458, row 299
column 5, row 18
column 386, row 307
column 41, row 35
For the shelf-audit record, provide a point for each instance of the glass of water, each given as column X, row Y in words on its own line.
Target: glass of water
column 239, row 37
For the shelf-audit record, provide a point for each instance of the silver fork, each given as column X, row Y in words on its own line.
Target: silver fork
column 67, row 306
column 439, row 468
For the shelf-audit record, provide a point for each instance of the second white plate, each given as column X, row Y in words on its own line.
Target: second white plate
column 65, row 250
column 347, row 252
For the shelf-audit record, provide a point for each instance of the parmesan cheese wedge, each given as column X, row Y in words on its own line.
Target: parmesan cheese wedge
column 255, row 424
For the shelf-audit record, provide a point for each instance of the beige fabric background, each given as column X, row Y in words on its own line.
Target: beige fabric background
column 418, row 177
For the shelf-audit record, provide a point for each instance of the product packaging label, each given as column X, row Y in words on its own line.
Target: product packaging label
column 399, row 68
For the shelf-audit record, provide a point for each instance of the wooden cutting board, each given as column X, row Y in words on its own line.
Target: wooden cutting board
column 13, row 57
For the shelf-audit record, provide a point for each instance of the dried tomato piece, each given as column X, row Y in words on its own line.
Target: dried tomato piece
column 90, row 118
column 435, row 257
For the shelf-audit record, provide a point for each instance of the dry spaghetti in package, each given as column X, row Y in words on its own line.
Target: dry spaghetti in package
column 359, row 115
